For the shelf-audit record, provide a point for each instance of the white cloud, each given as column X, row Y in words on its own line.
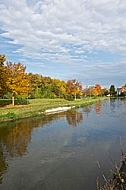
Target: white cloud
column 79, row 22
column 64, row 31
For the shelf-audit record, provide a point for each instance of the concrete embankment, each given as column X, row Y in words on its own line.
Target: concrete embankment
column 57, row 110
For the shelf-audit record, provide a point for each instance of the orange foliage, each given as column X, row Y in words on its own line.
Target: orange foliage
column 97, row 90
column 17, row 81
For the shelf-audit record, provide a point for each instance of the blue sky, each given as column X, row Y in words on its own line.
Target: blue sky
column 67, row 39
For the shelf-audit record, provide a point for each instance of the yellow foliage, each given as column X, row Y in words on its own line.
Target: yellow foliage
column 17, row 80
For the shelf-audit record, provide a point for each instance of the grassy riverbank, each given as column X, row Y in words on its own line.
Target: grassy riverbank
column 39, row 106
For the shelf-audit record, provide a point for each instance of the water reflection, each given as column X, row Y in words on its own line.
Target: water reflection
column 3, row 165
column 98, row 107
column 15, row 137
column 74, row 118
column 44, row 153
column 123, row 102
column 87, row 109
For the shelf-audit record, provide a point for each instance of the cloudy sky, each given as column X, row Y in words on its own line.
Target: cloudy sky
column 67, row 39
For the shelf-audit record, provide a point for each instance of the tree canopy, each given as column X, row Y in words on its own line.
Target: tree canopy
column 3, row 76
column 112, row 90
column 15, row 82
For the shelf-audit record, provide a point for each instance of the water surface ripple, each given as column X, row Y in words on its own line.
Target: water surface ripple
column 60, row 152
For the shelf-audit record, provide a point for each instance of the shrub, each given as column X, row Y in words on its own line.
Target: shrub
column 11, row 115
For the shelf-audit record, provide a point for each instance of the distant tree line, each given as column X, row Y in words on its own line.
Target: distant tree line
column 121, row 91
column 15, row 82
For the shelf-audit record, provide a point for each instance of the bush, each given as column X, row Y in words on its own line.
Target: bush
column 11, row 115
column 5, row 102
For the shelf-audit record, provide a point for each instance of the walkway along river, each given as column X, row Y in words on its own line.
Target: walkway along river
column 60, row 151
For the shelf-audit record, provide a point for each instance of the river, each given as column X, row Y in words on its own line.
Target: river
column 61, row 151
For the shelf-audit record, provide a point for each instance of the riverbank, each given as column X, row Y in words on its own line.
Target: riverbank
column 42, row 106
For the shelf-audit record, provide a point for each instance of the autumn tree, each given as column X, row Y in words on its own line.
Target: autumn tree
column 59, row 88
column 46, row 87
column 74, row 88
column 17, row 79
column 94, row 92
column 97, row 91
column 88, row 91
column 85, row 91
column 2, row 59
column 62, row 89
column 2, row 75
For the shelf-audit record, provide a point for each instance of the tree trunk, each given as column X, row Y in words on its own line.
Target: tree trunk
column 75, row 96
column 13, row 100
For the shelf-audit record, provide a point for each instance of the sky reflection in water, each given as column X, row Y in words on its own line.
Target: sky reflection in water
column 61, row 151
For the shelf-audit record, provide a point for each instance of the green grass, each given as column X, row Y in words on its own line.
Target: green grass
column 38, row 106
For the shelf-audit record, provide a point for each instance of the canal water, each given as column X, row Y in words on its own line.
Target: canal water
column 62, row 151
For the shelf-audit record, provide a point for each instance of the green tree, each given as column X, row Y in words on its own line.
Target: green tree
column 48, row 87
column 105, row 91
column 36, row 85
column 59, row 88
column 112, row 90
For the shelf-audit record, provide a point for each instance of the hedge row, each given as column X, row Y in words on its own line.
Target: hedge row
column 4, row 102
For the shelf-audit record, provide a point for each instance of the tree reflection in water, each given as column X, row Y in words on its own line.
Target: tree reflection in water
column 74, row 118
column 3, row 165
column 15, row 137
column 123, row 102
column 87, row 109
column 98, row 107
